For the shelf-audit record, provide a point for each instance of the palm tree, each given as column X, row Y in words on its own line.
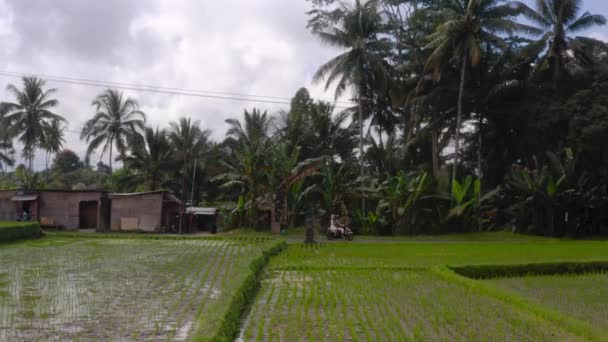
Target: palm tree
column 255, row 130
column 189, row 143
column 53, row 141
column 6, row 141
column 357, row 30
column 116, row 120
column 329, row 133
column 150, row 159
column 557, row 19
column 248, row 164
column 31, row 114
column 466, row 24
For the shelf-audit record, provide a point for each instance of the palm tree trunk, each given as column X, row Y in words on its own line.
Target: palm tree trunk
column 556, row 67
column 47, row 166
column 181, row 221
column 463, row 73
column 362, row 167
column 111, row 146
column 479, row 167
column 434, row 139
column 31, row 167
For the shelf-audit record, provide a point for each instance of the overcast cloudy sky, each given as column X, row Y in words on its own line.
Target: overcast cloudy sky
column 239, row 46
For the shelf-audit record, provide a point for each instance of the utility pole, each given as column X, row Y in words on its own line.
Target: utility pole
column 193, row 181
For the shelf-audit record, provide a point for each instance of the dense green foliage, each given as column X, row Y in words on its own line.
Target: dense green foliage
column 11, row 231
column 452, row 116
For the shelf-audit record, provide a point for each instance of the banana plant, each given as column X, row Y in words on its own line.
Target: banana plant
column 466, row 202
column 399, row 196
column 464, row 196
column 538, row 193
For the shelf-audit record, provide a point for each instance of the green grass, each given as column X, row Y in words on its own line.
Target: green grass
column 426, row 254
column 69, row 288
column 385, row 306
column 582, row 296
column 402, row 289
column 165, row 287
column 11, row 231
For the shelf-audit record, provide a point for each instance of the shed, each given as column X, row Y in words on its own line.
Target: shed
column 155, row 211
column 70, row 209
column 202, row 219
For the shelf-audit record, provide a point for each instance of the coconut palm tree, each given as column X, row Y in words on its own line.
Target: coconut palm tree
column 6, row 142
column 557, row 20
column 53, row 141
column 116, row 120
column 357, row 30
column 150, row 159
column 254, row 130
column 29, row 116
column 189, row 142
column 250, row 158
column 465, row 26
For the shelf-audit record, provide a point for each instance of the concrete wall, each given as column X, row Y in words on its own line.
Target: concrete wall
column 8, row 211
column 145, row 208
column 63, row 207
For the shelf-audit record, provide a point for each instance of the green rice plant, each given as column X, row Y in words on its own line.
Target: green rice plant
column 11, row 231
column 580, row 296
column 117, row 289
column 575, row 326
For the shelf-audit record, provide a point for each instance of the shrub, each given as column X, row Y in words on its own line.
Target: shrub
column 497, row 271
column 11, row 231
column 243, row 298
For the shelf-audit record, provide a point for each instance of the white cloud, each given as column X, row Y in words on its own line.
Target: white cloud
column 230, row 46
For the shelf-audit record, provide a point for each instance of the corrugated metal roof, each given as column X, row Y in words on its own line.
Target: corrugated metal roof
column 201, row 211
column 24, row 198
column 117, row 194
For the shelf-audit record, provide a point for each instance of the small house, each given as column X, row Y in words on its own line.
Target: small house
column 71, row 209
column 155, row 211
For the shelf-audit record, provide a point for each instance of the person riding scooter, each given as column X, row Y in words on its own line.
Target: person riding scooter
column 337, row 230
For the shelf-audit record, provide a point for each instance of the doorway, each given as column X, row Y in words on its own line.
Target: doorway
column 87, row 212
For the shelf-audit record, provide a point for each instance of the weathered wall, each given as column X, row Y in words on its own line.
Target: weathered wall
column 63, row 207
column 146, row 208
column 8, row 211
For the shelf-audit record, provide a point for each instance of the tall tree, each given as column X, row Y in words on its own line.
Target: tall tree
column 150, row 158
column 6, row 141
column 116, row 120
column 465, row 25
column 357, row 29
column 189, row 142
column 53, row 141
column 557, row 20
column 246, row 168
column 31, row 114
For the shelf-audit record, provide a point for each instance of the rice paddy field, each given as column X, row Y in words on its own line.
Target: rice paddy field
column 129, row 288
column 119, row 289
column 582, row 296
column 399, row 291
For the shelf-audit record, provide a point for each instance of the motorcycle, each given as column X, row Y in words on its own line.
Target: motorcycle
column 339, row 231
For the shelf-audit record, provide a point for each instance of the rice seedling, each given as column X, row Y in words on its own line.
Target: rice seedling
column 388, row 305
column 70, row 288
column 419, row 254
column 582, row 296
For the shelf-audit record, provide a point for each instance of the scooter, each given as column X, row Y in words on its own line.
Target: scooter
column 338, row 231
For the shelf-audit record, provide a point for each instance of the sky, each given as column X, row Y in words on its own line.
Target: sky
column 259, row 47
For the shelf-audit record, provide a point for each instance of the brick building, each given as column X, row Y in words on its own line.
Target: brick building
column 71, row 209
column 156, row 211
